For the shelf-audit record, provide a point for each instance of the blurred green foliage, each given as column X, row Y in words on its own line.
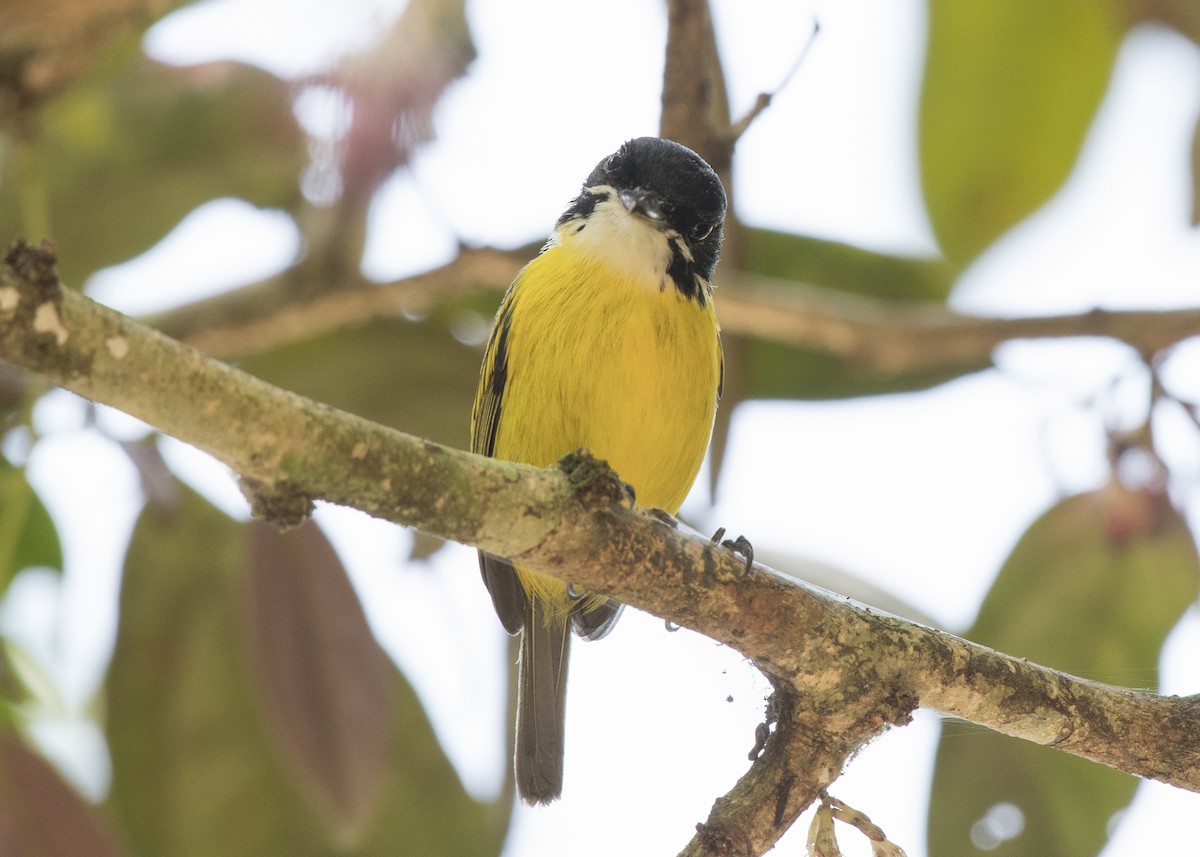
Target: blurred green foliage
column 28, row 536
column 230, row 704
column 1010, row 90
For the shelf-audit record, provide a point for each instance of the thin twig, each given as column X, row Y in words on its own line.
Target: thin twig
column 738, row 128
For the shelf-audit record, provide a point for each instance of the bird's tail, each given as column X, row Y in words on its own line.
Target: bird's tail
column 545, row 645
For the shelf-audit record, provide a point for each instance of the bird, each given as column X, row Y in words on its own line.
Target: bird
column 606, row 341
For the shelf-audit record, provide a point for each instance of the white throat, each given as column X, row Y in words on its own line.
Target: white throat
column 626, row 242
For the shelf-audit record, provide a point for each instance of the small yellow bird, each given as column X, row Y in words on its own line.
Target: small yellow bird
column 607, row 341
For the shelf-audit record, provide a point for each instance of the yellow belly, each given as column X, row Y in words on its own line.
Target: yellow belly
column 601, row 361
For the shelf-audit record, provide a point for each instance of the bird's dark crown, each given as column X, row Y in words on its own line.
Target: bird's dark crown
column 684, row 183
column 685, row 190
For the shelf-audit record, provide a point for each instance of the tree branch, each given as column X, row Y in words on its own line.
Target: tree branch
column 885, row 336
column 280, row 310
column 695, row 110
column 902, row 336
column 842, row 672
column 764, row 99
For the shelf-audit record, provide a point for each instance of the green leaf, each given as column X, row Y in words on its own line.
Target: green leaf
column 28, row 536
column 40, row 814
column 1010, row 90
column 26, row 690
column 1092, row 588
column 844, row 267
column 13, row 691
column 776, row 371
column 199, row 765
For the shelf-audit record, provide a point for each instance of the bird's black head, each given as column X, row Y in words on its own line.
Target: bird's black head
column 673, row 188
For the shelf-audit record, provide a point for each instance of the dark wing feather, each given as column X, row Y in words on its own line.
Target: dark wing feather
column 720, row 367
column 594, row 624
column 508, row 596
column 489, row 398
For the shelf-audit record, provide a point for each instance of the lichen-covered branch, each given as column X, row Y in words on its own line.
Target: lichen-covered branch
column 842, row 672
column 284, row 445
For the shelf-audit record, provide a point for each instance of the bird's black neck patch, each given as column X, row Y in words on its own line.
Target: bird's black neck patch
column 686, row 276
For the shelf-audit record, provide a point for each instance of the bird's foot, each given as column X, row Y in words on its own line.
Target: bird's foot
column 740, row 545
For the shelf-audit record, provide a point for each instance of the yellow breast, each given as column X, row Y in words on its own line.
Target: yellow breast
column 620, row 365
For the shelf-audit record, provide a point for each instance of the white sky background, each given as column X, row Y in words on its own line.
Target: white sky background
column 923, row 494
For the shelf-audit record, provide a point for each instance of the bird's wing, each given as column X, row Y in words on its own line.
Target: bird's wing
column 508, row 596
column 720, row 367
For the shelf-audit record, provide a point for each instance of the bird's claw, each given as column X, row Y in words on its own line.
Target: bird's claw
column 664, row 516
column 740, row 545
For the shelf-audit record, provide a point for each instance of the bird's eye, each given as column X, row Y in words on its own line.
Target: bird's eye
column 701, row 231
column 612, row 162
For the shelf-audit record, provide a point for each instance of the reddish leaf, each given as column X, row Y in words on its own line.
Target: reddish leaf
column 42, row 816
column 322, row 676
column 192, row 772
column 195, row 771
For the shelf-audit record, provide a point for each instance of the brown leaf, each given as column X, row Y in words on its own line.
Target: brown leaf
column 1181, row 15
column 322, row 675
column 197, row 763
column 1195, row 164
column 42, row 816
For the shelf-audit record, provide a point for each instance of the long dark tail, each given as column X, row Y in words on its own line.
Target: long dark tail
column 541, row 705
